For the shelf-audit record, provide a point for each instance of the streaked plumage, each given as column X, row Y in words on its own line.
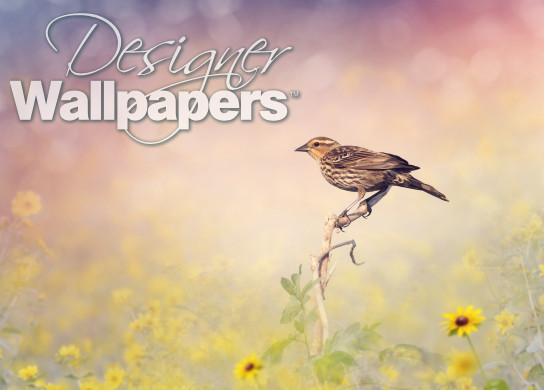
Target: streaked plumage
column 356, row 169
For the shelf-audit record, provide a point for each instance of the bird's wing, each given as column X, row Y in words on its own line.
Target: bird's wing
column 360, row 158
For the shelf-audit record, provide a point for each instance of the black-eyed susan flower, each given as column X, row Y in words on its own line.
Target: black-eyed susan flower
column 463, row 322
column 29, row 373
column 248, row 368
column 505, row 320
column 25, row 204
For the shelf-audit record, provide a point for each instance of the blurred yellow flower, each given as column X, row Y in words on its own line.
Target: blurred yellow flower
column 69, row 354
column 541, row 268
column 0, row 353
column 154, row 307
column 88, row 386
column 114, row 377
column 445, row 380
column 541, row 300
column 389, row 371
column 248, row 368
column 51, row 386
column 461, row 364
column 535, row 222
column 29, row 373
column 144, row 321
column 25, row 204
column 464, row 383
column 470, row 260
column 121, row 296
column 463, row 322
column 505, row 320
column 43, row 246
column 134, row 353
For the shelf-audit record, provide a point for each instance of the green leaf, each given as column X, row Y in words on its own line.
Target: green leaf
column 496, row 384
column 288, row 286
column 353, row 338
column 312, row 316
column 536, row 374
column 295, row 279
column 412, row 352
column 72, row 376
column 300, row 325
column 275, row 351
column 309, row 286
column 11, row 330
column 344, row 358
column 291, row 311
column 332, row 367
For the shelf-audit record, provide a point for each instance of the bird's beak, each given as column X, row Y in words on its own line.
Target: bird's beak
column 303, row 148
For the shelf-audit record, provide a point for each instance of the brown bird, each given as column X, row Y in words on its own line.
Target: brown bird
column 361, row 170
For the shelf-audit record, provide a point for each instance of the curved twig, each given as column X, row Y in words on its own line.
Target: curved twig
column 353, row 245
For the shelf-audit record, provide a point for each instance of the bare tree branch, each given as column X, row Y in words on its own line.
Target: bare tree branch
column 320, row 264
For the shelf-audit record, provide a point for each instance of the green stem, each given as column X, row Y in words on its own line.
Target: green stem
column 477, row 359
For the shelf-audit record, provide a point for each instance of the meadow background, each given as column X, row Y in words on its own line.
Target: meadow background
column 164, row 263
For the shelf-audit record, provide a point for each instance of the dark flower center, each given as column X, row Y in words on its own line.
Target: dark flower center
column 249, row 367
column 461, row 321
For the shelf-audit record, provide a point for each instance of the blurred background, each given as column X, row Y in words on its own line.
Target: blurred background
column 212, row 219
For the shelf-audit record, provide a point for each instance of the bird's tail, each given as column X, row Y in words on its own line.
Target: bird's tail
column 408, row 181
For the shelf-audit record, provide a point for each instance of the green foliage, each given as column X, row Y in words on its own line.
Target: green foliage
column 339, row 352
column 332, row 367
column 353, row 339
column 496, row 384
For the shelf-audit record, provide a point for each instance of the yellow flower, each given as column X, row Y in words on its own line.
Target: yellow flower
column 88, row 386
column 0, row 353
column 69, row 354
column 389, row 371
column 154, row 307
column 470, row 260
column 121, row 296
column 248, row 368
column 535, row 222
column 114, row 377
column 541, row 268
column 26, row 204
column 463, row 322
column 51, row 386
column 464, row 383
column 505, row 320
column 43, row 246
column 461, row 364
column 144, row 321
column 29, row 373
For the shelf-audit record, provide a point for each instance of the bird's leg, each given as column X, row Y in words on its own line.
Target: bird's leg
column 377, row 196
column 344, row 213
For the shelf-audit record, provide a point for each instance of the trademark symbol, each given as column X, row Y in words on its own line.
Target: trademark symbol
column 295, row 94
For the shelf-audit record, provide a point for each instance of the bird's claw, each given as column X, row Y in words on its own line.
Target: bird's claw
column 342, row 215
column 368, row 210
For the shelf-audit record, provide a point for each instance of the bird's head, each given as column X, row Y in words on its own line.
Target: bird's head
column 318, row 147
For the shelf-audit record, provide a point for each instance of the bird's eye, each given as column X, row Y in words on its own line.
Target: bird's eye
column 316, row 144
